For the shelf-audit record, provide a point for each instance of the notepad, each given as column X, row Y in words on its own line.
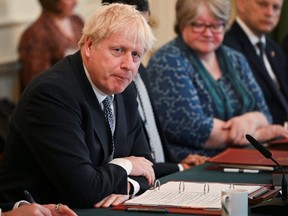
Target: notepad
column 187, row 195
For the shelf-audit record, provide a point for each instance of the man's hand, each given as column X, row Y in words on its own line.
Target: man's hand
column 113, row 199
column 40, row 210
column 60, row 210
column 142, row 167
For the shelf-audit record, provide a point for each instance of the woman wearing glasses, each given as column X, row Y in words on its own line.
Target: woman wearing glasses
column 205, row 94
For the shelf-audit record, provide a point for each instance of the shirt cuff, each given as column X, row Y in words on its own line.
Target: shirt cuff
column 124, row 163
column 20, row 203
column 135, row 186
column 180, row 166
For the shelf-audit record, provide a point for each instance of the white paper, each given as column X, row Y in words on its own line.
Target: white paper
column 187, row 195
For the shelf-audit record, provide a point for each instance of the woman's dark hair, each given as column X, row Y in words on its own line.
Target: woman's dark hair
column 50, row 5
column 141, row 5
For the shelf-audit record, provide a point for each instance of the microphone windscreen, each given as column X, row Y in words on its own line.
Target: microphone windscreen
column 259, row 146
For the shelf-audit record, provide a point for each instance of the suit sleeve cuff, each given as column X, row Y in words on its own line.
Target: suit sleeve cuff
column 125, row 164
column 180, row 166
column 20, row 203
column 135, row 185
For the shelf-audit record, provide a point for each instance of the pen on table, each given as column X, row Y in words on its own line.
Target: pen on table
column 236, row 170
column 260, row 193
column 29, row 197
column 155, row 210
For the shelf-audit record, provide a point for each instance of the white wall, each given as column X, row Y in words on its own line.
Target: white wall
column 162, row 22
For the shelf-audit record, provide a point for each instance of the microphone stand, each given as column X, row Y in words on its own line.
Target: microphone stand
column 284, row 181
column 275, row 205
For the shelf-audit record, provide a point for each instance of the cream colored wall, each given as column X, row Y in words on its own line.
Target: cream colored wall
column 162, row 20
column 15, row 15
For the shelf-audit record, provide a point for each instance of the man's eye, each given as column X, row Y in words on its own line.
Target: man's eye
column 118, row 51
column 136, row 55
column 262, row 4
column 276, row 8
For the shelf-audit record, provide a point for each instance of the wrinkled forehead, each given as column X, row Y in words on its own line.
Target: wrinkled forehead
column 136, row 35
column 267, row 2
column 126, row 39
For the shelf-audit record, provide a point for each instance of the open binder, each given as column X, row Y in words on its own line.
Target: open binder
column 203, row 198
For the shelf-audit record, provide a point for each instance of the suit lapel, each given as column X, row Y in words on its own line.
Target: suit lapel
column 101, row 128
column 272, row 58
column 254, row 61
column 253, row 58
column 99, row 125
column 120, row 127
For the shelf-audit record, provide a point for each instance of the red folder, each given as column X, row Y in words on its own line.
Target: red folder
column 252, row 157
column 280, row 141
column 170, row 210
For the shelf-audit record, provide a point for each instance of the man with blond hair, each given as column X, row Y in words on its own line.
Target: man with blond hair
column 76, row 136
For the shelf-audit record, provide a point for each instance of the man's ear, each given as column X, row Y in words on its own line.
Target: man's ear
column 88, row 46
column 239, row 6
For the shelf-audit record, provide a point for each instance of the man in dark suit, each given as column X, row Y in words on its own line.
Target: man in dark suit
column 65, row 143
column 255, row 19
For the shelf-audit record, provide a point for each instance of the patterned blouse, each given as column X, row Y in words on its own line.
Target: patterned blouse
column 183, row 103
column 43, row 44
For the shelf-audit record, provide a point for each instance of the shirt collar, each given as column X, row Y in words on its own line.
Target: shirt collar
column 252, row 37
column 99, row 94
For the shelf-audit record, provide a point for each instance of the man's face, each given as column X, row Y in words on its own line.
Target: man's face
column 113, row 62
column 261, row 16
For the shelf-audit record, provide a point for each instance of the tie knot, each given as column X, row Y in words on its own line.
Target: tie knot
column 108, row 100
column 261, row 47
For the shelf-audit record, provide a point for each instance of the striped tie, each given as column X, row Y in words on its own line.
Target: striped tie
column 110, row 120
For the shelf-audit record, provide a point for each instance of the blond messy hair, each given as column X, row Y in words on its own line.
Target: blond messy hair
column 118, row 18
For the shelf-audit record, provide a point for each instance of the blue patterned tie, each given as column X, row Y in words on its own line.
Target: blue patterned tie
column 110, row 120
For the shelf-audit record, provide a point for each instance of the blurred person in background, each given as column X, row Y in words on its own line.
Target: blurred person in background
column 54, row 35
column 255, row 19
column 204, row 92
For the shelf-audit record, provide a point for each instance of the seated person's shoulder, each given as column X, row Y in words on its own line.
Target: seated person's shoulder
column 77, row 19
column 233, row 53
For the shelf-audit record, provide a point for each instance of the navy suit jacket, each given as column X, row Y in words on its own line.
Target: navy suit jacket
column 170, row 165
column 6, row 206
column 277, row 100
column 58, row 143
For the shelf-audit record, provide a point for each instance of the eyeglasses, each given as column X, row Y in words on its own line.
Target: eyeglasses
column 215, row 28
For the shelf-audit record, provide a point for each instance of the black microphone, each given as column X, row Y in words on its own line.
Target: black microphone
column 275, row 205
column 260, row 147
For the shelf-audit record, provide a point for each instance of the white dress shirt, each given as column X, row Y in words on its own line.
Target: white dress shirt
column 124, row 163
column 254, row 40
